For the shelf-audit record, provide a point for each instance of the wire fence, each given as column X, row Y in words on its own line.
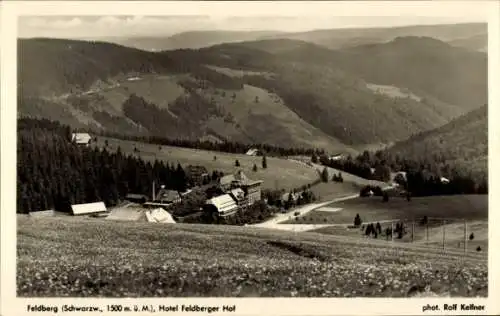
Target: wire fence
column 448, row 234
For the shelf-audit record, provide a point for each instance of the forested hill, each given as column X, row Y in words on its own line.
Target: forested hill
column 56, row 173
column 463, row 143
column 301, row 96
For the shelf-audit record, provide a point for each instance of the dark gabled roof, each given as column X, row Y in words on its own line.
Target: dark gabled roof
column 240, row 177
column 168, row 195
column 136, row 196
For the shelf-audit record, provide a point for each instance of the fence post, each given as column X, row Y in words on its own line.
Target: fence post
column 427, row 234
column 392, row 231
column 444, row 232
column 412, row 230
column 465, row 236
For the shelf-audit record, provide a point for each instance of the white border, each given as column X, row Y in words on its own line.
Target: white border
column 11, row 305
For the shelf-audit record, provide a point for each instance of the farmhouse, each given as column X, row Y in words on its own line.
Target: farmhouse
column 223, row 205
column 88, row 209
column 251, row 188
column 83, row 139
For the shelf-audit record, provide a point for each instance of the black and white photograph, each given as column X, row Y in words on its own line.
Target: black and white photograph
column 238, row 154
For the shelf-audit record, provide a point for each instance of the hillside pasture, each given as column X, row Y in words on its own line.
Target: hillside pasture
column 239, row 73
column 392, row 91
column 264, row 117
column 373, row 209
column 85, row 257
column 158, row 89
column 280, row 173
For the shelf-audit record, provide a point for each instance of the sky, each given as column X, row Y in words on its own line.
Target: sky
column 71, row 26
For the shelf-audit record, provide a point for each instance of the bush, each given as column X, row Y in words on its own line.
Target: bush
column 478, row 248
column 471, row 236
column 357, row 220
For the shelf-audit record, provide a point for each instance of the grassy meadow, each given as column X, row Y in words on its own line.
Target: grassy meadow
column 373, row 209
column 84, row 257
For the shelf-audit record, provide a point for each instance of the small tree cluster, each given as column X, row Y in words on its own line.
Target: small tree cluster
column 357, row 220
column 338, row 177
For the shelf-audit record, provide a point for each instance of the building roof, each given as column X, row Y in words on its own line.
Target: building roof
column 88, row 208
column 42, row 213
column 238, row 194
column 136, row 196
column 129, row 212
column 252, row 152
column 167, row 195
column 159, row 215
column 239, row 177
column 225, row 204
column 81, row 138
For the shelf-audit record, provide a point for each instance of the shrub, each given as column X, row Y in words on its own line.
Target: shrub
column 357, row 220
column 471, row 236
column 478, row 248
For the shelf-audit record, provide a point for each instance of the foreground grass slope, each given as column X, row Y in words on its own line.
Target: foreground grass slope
column 91, row 258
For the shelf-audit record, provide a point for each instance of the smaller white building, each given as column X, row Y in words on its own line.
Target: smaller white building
column 81, row 138
column 252, row 152
column 444, row 180
column 159, row 215
column 88, row 209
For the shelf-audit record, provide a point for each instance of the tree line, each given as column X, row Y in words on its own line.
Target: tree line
column 423, row 176
column 54, row 173
column 224, row 146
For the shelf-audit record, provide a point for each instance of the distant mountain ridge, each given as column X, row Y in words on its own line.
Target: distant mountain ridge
column 191, row 39
column 469, row 35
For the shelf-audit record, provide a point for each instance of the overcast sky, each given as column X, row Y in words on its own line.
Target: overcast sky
column 291, row 18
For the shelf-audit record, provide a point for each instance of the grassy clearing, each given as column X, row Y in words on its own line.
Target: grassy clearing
column 240, row 73
column 95, row 258
column 331, row 190
column 372, row 209
column 265, row 117
column 392, row 91
column 280, row 173
column 160, row 90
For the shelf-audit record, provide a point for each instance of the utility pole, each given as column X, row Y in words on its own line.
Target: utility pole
column 412, row 230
